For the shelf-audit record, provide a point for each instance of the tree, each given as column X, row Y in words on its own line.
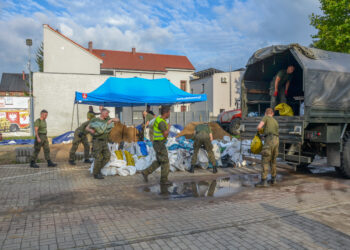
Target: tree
column 333, row 27
column 40, row 57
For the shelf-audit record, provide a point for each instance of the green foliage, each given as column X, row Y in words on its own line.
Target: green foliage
column 333, row 27
column 40, row 57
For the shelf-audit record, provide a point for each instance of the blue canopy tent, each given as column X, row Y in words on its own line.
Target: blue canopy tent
column 128, row 92
column 131, row 92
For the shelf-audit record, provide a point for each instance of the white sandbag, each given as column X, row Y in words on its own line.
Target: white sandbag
column 171, row 141
column 118, row 163
column 131, row 169
column 92, row 167
column 174, row 130
column 142, row 164
column 226, row 138
column 183, row 160
column 106, row 171
column 216, row 151
column 145, row 162
column 130, row 147
column 138, row 150
column 146, row 134
column 202, row 159
column 122, row 171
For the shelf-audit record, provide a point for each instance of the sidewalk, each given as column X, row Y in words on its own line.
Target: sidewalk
column 66, row 208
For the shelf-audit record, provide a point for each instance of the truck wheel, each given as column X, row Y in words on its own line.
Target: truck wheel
column 14, row 128
column 234, row 126
column 344, row 168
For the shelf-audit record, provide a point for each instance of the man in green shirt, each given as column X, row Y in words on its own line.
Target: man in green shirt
column 41, row 141
column 280, row 86
column 160, row 133
column 269, row 151
column 203, row 137
column 80, row 136
column 100, row 136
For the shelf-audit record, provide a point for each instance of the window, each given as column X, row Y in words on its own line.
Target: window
column 183, row 108
column 107, row 72
column 183, row 85
column 202, row 87
column 191, row 91
column 223, row 79
column 222, row 110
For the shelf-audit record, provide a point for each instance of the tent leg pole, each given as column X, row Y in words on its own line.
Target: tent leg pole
column 71, row 125
column 184, row 116
column 132, row 115
column 206, row 111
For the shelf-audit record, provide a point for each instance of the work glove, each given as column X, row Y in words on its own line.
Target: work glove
column 286, row 92
column 275, row 94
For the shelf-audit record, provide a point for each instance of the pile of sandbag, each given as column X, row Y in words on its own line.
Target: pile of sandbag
column 128, row 158
column 123, row 133
column 217, row 130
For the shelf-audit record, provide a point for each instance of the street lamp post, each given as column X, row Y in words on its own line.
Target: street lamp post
column 29, row 43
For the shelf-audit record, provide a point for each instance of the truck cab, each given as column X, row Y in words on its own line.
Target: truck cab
column 319, row 95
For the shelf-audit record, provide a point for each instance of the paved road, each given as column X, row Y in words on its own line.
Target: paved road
column 66, row 208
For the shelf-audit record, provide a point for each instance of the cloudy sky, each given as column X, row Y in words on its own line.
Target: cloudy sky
column 210, row 33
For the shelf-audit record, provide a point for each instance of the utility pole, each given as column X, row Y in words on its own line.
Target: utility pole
column 29, row 43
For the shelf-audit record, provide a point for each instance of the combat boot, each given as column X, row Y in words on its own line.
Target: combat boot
column 98, row 176
column 215, row 170
column 145, row 176
column 33, row 164
column 262, row 183
column 191, row 170
column 87, row 161
column 50, row 164
column 273, row 181
column 71, row 162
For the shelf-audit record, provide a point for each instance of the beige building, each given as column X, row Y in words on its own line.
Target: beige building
column 222, row 90
column 69, row 67
column 62, row 55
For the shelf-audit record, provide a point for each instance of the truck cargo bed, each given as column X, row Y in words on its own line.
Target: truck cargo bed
column 290, row 128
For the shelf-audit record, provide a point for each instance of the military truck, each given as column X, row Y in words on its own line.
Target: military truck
column 319, row 94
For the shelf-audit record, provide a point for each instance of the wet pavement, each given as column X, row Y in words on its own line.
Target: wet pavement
column 220, row 187
column 65, row 208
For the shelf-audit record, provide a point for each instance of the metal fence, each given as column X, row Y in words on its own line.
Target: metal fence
column 181, row 118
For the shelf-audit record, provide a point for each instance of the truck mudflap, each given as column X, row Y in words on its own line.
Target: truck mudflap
column 291, row 135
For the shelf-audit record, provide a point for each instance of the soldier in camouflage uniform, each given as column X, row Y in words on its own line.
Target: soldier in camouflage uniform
column 100, row 149
column 80, row 136
column 160, row 133
column 91, row 114
column 41, row 141
column 203, row 137
column 269, row 151
column 280, row 85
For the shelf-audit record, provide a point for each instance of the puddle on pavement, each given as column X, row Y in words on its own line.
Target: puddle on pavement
column 220, row 187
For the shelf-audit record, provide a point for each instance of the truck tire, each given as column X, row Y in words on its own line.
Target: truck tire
column 234, row 126
column 14, row 128
column 344, row 168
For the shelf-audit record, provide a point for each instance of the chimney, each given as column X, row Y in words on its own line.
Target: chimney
column 90, row 46
column 133, row 51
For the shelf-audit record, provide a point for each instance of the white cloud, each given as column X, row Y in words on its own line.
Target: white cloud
column 211, row 33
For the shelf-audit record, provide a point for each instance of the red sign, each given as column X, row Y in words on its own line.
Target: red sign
column 84, row 95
